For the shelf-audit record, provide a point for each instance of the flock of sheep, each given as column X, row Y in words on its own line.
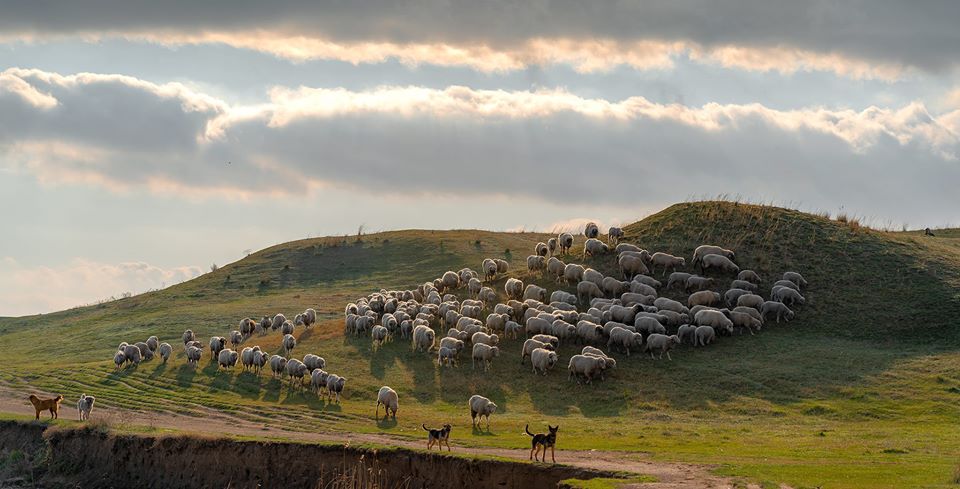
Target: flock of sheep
column 624, row 314
column 251, row 358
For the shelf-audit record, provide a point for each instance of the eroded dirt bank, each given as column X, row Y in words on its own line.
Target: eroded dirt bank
column 89, row 457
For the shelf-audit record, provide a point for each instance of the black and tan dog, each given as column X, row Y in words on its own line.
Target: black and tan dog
column 544, row 440
column 439, row 437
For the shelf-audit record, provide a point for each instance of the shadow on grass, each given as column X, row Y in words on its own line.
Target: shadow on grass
column 185, row 375
column 386, row 423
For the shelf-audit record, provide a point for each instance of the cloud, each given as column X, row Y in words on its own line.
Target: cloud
column 857, row 38
column 35, row 289
column 549, row 145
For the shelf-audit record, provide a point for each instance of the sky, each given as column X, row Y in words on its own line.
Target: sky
column 141, row 141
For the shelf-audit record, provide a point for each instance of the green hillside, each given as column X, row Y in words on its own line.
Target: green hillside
column 861, row 390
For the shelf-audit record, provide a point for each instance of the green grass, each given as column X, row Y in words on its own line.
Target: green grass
column 606, row 482
column 861, row 390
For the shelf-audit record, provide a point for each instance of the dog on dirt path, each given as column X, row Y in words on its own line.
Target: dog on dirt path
column 543, row 440
column 52, row 405
column 438, row 437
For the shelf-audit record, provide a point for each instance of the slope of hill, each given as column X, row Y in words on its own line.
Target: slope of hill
column 860, row 390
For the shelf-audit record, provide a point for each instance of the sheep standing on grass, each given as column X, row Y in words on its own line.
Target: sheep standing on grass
column 585, row 366
column 132, row 354
column 153, row 343
column 795, row 278
column 193, row 355
column 591, row 230
column 614, row 235
column 704, row 250
column 489, row 268
column 119, row 359
column 84, row 406
column 746, row 321
column 541, row 249
column 687, row 333
column 678, row 278
column 295, row 370
column 625, row 339
column 423, row 338
column 286, row 327
column 447, row 356
column 289, row 343
column 247, row 326
column 565, row 242
column 594, row 247
column 479, row 407
column 278, row 365
column 379, row 334
column 188, row 336
column 236, row 338
column 335, row 386
column 667, row 261
column 514, row 288
column 227, row 359
column 714, row 318
column 778, row 309
column 788, row 296
column 543, row 360
column 314, row 362
column 277, row 321
column 164, row 351
column 318, row 380
column 535, row 263
column 485, row 355
column 661, row 343
column 718, row 262
column 217, row 344
column 704, row 335
column 631, row 266
column 749, row 276
column 704, row 298
column 391, row 402
column 309, row 317
column 552, row 246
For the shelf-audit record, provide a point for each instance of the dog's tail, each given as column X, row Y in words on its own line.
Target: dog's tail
column 425, row 427
column 527, row 429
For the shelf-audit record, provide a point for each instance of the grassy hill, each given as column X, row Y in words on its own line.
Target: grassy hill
column 860, row 391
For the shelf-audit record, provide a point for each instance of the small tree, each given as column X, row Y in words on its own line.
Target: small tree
column 213, row 267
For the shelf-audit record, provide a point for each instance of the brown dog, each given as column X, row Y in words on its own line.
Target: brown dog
column 52, row 405
column 543, row 440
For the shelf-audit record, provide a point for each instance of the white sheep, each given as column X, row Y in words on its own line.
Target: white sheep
column 716, row 319
column 295, row 370
column 318, row 380
column 489, row 268
column 795, row 278
column 235, row 339
column 591, row 230
column 278, row 365
column 153, row 343
column 335, row 386
column 165, row 350
column 188, row 336
column 661, row 343
column 423, row 338
column 670, row 305
column 514, row 288
column 704, row 335
column 565, row 241
column 543, row 360
column 788, row 296
column 503, row 266
column 193, row 355
column 541, row 249
column 687, row 333
column 719, row 262
column 594, row 247
column 749, row 276
column 535, row 292
column 667, row 261
column 614, row 234
column 286, row 328
column 448, row 356
column 535, row 263
column 485, row 354
column 486, row 339
column 277, row 321
column 703, row 298
column 631, row 266
column 624, row 338
column 678, row 278
column 696, row 282
column 730, row 297
column 289, row 343
column 479, row 407
column 750, row 300
column 588, row 290
column 379, row 334
column 552, row 245
column 586, row 366
column 704, row 250
column 391, row 402
column 778, row 309
column 746, row 321
column 226, row 358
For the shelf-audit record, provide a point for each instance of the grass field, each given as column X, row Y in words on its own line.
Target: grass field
column 861, row 390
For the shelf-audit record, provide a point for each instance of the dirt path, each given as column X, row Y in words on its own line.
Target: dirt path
column 670, row 475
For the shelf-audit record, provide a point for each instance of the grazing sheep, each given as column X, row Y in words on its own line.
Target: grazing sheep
column 614, row 235
column 624, row 314
column 785, row 283
column 448, row 356
column 541, row 249
column 479, row 407
column 335, row 387
column 503, row 266
column 379, row 334
column 278, row 365
column 753, row 312
column 631, row 298
column 193, row 355
column 594, row 247
column 298, row 320
column 119, row 359
column 486, row 339
column 287, row 328
column 716, row 319
column 562, row 296
column 648, row 281
column 704, row 250
column 687, row 333
column 746, row 321
column 621, row 247
column 309, row 317
column 277, row 321
column 589, row 332
column 485, row 354
column 295, row 370
column 591, row 275
column 84, row 406
column 497, row 322
column 586, row 366
column 235, row 339
column 778, row 309
column 745, row 285
column 552, row 246
column 188, row 336
column 796, row 278
column 649, row 325
column 543, row 360
column 624, row 338
column 247, row 326
column 547, row 339
column 391, row 402
column 565, row 241
column 703, row 298
column 667, row 261
column 661, row 343
column 164, row 351
column 630, row 266
column 749, row 276
column 750, row 300
column 535, row 292
column 226, row 358
column 704, row 335
column 788, row 296
column 696, row 282
column 423, row 338
column 153, row 343
column 530, row 345
column 145, row 351
column 512, row 329
column 249, row 356
column 678, row 278
column 588, row 290
column 670, row 305
column 450, row 281
column 217, row 344
column 318, row 380
column 489, row 268
column 266, row 321
column 719, row 262
column 487, row 296
column 613, row 287
column 591, row 230
column 514, row 288
column 731, row 296
column 289, row 343
column 535, row 263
